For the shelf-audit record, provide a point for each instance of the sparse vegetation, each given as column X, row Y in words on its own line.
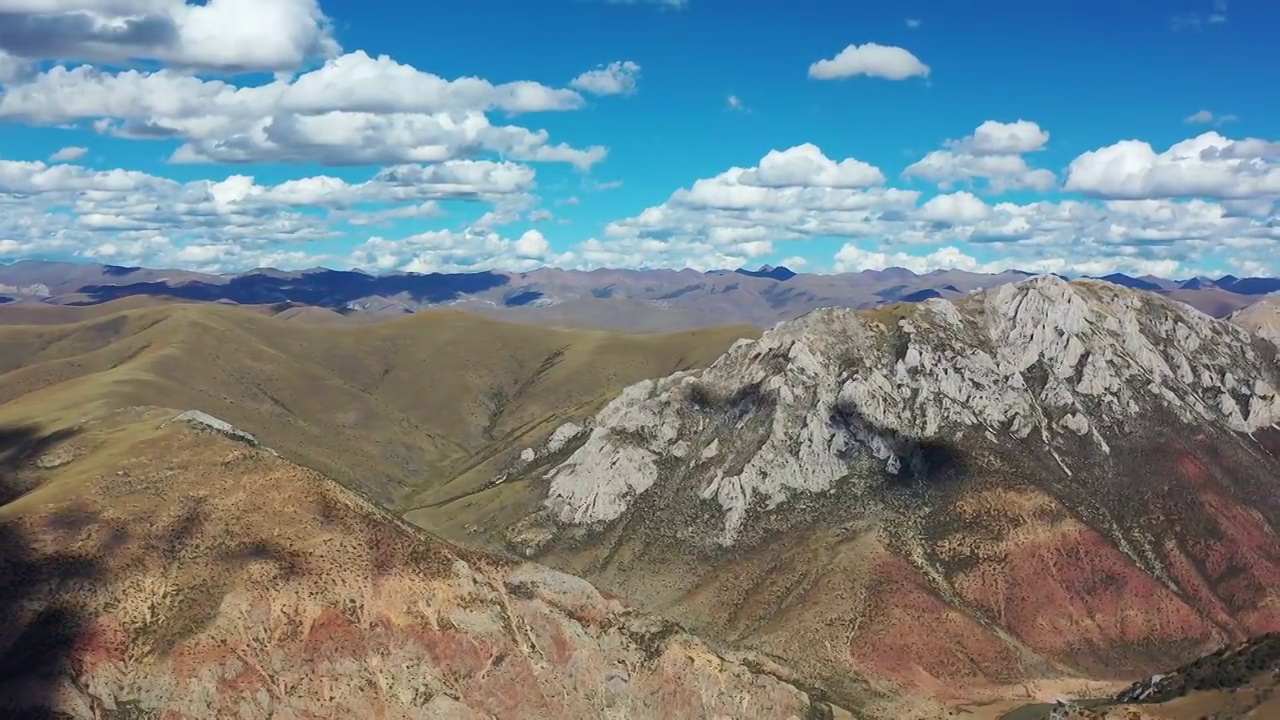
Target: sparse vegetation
column 256, row 587
column 397, row 410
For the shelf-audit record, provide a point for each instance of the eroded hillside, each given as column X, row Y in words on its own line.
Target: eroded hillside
column 158, row 568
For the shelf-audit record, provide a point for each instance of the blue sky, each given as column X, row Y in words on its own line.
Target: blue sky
column 1083, row 138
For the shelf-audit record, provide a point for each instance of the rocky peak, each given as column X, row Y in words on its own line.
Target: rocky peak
column 841, row 396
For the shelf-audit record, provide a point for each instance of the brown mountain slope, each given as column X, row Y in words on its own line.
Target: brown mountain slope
column 1261, row 318
column 390, row 409
column 158, row 569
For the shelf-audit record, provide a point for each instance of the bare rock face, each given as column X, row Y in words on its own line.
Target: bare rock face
column 1055, row 477
column 205, row 421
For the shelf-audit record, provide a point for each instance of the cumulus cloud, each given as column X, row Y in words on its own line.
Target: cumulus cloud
column 616, row 78
column 806, row 166
column 69, row 153
column 355, row 109
column 1209, row 165
column 993, row 154
column 138, row 218
column 227, row 35
column 954, row 209
column 734, row 217
column 467, row 250
column 852, row 258
column 872, row 60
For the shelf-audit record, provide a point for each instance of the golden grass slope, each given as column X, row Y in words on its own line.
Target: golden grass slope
column 392, row 409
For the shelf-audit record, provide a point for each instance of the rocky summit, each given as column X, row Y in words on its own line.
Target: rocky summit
column 929, row 478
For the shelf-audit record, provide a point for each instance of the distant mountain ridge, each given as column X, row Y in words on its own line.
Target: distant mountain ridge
column 605, row 298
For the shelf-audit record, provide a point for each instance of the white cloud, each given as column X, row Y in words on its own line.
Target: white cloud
column 997, row 138
column 993, row 153
column 425, row 209
column 468, row 250
column 954, row 209
column 1208, row 165
column 873, row 60
column 234, row 35
column 851, row 258
column 616, row 78
column 354, row 83
column 735, row 103
column 725, row 220
column 806, row 166
column 69, row 153
column 913, row 23
column 1206, row 117
column 531, row 244
column 356, row 109
column 137, row 218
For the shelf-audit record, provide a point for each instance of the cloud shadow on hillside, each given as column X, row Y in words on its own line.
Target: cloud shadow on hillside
column 924, row 461
column 38, row 629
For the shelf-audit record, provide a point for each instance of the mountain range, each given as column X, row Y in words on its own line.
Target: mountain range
column 1038, row 489
column 628, row 300
column 1046, row 477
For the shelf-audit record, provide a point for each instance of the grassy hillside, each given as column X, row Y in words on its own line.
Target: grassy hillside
column 396, row 410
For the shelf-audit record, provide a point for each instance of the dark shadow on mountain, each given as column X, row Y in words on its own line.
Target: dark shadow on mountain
column 325, row 288
column 893, row 292
column 119, row 270
column 39, row 626
column 920, row 295
column 20, row 445
column 780, row 296
column 673, row 294
column 520, row 298
column 921, row 462
column 6, row 299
